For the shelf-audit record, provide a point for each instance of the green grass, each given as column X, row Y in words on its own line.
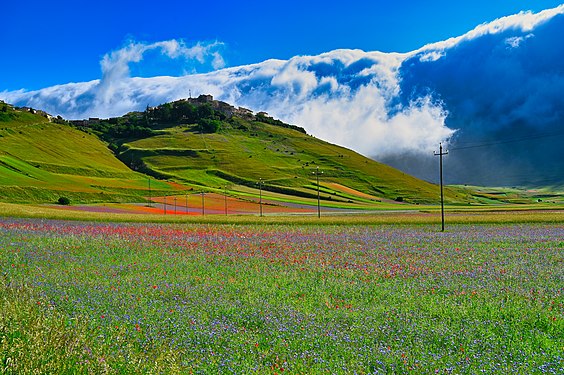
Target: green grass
column 498, row 195
column 41, row 161
column 279, row 156
column 83, row 297
column 47, row 143
column 428, row 215
column 19, row 118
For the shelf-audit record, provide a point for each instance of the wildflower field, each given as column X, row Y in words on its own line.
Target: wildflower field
column 81, row 297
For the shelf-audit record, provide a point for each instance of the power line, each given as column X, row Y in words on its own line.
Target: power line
column 505, row 141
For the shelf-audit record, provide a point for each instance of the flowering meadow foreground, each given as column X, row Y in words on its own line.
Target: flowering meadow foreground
column 219, row 299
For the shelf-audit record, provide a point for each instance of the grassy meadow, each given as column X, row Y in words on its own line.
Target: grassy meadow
column 212, row 298
column 120, row 213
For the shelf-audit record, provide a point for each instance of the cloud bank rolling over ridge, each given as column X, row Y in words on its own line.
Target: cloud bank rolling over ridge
column 501, row 81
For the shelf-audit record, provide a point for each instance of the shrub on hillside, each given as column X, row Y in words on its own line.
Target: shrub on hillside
column 64, row 201
column 209, row 126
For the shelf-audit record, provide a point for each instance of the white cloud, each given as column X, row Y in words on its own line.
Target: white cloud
column 218, row 62
column 340, row 96
column 523, row 21
column 431, row 56
column 113, row 90
column 329, row 105
column 515, row 42
column 362, row 122
column 348, row 97
column 295, row 79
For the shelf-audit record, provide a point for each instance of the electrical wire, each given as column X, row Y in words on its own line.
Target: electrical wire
column 505, row 141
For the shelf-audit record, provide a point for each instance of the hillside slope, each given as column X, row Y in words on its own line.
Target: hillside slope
column 42, row 159
column 204, row 143
column 194, row 144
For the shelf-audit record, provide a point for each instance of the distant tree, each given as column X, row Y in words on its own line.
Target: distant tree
column 146, row 115
column 209, row 126
column 183, row 111
column 64, row 201
column 164, row 112
column 205, row 111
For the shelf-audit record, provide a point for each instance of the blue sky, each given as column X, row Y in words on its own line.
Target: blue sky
column 45, row 43
column 499, row 77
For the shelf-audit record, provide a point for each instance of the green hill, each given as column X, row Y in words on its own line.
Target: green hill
column 42, row 159
column 209, row 144
column 198, row 144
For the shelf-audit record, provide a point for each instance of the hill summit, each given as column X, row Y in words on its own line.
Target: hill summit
column 203, row 110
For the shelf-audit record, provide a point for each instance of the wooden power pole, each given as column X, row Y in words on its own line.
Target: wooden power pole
column 440, row 155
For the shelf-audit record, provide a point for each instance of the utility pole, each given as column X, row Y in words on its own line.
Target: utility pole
column 203, row 207
column 260, row 195
column 150, row 192
column 440, row 155
column 225, row 197
column 318, row 204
